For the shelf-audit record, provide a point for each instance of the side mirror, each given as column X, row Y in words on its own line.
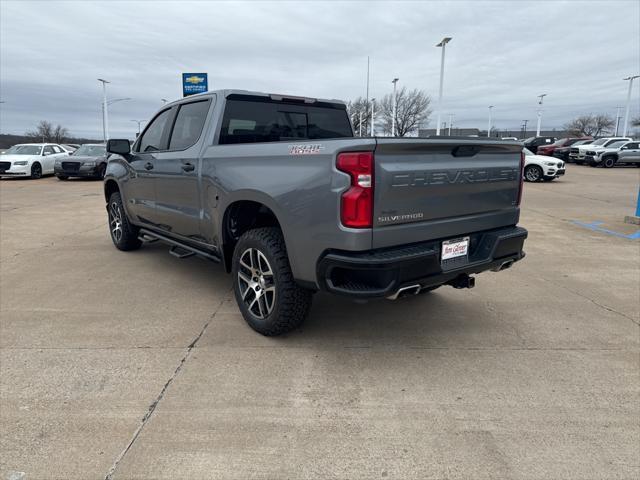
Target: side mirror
column 119, row 146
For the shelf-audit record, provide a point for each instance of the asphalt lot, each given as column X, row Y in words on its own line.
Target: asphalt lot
column 139, row 365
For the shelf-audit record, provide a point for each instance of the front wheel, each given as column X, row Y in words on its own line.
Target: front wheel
column 270, row 300
column 36, row 170
column 532, row 173
column 609, row 162
column 123, row 234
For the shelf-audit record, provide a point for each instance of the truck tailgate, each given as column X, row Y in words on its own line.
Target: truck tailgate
column 428, row 189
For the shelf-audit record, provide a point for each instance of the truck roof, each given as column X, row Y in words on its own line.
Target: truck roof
column 274, row 96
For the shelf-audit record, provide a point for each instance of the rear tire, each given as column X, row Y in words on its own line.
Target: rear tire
column 533, row 173
column 270, row 300
column 36, row 170
column 123, row 234
column 62, row 177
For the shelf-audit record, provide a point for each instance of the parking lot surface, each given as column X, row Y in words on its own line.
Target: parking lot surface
column 138, row 365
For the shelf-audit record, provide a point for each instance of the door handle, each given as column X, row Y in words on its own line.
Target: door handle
column 148, row 166
column 188, row 167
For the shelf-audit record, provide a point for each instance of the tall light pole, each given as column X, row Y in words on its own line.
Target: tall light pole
column 451, row 115
column 617, row 119
column 393, row 115
column 139, row 122
column 360, row 124
column 541, row 97
column 489, row 127
column 373, row 107
column 524, row 125
column 442, row 44
column 105, row 114
column 626, row 114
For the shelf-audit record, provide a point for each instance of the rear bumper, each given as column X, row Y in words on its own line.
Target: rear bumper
column 382, row 272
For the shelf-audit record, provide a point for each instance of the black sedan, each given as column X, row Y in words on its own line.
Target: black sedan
column 90, row 160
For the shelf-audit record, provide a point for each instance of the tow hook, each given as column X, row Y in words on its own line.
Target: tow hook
column 463, row 281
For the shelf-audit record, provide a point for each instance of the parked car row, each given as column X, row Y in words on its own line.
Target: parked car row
column 578, row 154
column 34, row 160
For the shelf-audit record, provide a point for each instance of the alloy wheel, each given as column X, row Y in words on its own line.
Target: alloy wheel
column 257, row 283
column 532, row 174
column 115, row 222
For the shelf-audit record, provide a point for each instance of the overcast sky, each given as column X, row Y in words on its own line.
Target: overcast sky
column 502, row 54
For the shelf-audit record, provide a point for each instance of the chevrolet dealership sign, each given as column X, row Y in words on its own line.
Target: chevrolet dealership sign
column 193, row 83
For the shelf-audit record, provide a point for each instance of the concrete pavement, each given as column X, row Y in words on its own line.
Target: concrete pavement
column 138, row 365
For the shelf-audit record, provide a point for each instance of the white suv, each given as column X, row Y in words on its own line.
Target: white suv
column 541, row 167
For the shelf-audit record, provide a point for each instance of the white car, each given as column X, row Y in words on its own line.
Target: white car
column 541, row 167
column 31, row 159
column 578, row 154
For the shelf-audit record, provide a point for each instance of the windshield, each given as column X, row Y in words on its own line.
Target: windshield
column 617, row 144
column 90, row 151
column 24, row 150
column 582, row 142
column 600, row 141
column 560, row 143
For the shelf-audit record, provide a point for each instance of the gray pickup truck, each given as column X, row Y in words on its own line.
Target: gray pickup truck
column 279, row 190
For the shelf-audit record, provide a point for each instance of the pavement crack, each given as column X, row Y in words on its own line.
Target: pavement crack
column 160, row 396
column 595, row 302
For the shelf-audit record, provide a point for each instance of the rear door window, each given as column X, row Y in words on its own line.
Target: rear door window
column 152, row 137
column 188, row 125
column 265, row 120
column 48, row 150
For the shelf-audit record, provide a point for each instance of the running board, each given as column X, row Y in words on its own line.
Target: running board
column 180, row 252
column 177, row 249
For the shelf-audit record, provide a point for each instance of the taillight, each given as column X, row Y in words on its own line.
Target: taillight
column 356, row 210
column 521, row 177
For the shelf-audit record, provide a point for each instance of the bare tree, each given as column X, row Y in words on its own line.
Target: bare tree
column 590, row 125
column 43, row 131
column 360, row 109
column 412, row 110
column 60, row 134
column 46, row 132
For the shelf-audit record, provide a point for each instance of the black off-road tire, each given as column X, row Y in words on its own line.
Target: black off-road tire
column 36, row 170
column 290, row 302
column 62, row 177
column 609, row 162
column 127, row 238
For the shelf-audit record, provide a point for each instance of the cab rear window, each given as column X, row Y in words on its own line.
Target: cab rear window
column 252, row 120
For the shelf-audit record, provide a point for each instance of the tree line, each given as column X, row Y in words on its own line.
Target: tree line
column 413, row 108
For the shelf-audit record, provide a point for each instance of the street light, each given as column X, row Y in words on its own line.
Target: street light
column 489, row 128
column 524, row 126
column 541, row 97
column 451, row 115
column 442, row 44
column 393, row 117
column 105, row 114
column 626, row 115
column 618, row 108
column 139, row 122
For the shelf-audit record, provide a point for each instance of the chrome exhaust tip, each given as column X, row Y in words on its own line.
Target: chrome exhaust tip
column 405, row 291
